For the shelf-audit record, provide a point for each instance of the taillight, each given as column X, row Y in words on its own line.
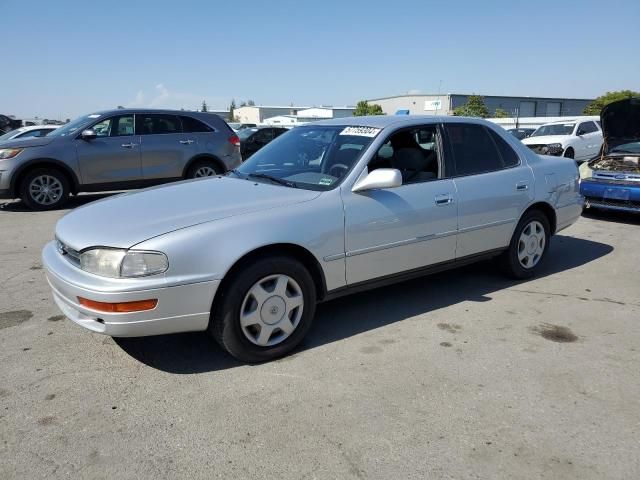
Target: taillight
column 235, row 140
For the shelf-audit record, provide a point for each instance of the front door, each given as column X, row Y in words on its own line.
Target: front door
column 493, row 185
column 390, row 231
column 591, row 140
column 113, row 156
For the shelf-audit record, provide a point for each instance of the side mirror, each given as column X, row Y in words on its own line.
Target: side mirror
column 379, row 178
column 88, row 134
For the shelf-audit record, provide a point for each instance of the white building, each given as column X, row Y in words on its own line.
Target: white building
column 259, row 113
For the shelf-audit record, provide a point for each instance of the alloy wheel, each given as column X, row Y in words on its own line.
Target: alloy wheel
column 204, row 171
column 45, row 189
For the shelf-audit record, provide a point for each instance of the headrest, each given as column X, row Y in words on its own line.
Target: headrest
column 408, row 159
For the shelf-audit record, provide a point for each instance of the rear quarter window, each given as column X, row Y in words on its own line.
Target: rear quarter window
column 191, row 125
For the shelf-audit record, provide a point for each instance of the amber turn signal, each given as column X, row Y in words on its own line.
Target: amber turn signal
column 122, row 307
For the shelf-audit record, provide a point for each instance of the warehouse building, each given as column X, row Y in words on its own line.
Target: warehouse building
column 445, row 104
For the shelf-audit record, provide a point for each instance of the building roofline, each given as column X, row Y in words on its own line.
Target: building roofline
column 485, row 96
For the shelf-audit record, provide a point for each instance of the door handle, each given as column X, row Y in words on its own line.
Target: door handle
column 186, row 142
column 129, row 145
column 521, row 186
column 444, row 199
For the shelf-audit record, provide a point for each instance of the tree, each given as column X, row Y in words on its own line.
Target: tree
column 501, row 113
column 475, row 107
column 598, row 104
column 251, row 103
column 232, row 109
column 204, row 107
column 363, row 108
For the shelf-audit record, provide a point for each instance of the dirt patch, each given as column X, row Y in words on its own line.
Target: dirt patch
column 16, row 317
column 45, row 421
column 445, row 344
column 56, row 318
column 555, row 333
column 449, row 328
column 372, row 349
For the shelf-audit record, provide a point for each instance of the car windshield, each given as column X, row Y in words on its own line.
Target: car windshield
column 246, row 133
column 10, row 134
column 72, row 127
column 310, row 157
column 554, row 129
column 632, row 147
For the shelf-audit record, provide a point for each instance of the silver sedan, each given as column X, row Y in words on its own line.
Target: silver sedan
column 324, row 210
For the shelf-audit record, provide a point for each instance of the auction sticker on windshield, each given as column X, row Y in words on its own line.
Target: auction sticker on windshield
column 361, row 131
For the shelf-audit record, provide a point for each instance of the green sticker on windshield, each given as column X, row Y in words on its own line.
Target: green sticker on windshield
column 325, row 181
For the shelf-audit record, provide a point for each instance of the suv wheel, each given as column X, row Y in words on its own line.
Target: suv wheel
column 203, row 168
column 265, row 310
column 569, row 153
column 528, row 246
column 44, row 189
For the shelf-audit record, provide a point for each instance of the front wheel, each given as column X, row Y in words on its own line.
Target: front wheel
column 528, row 246
column 44, row 189
column 265, row 309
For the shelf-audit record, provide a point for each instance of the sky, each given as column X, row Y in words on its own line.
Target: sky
column 66, row 58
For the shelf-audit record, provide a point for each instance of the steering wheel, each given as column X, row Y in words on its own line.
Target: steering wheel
column 339, row 169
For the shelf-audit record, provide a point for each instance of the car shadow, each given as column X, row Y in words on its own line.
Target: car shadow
column 73, row 202
column 348, row 316
column 612, row 216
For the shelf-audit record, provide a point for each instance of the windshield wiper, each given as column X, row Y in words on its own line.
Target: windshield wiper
column 277, row 180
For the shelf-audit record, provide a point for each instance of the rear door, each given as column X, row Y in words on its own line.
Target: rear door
column 493, row 185
column 591, row 139
column 164, row 148
column 113, row 156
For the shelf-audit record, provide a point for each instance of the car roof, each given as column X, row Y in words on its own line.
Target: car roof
column 384, row 121
column 125, row 111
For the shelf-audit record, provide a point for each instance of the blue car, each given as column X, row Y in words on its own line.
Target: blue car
column 611, row 181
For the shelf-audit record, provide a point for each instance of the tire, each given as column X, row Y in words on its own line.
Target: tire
column 270, row 310
column 569, row 153
column 534, row 222
column 203, row 168
column 44, row 189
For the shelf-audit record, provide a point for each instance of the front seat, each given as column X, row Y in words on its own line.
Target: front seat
column 412, row 164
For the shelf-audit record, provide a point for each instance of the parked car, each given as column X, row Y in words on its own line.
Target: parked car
column 521, row 133
column 7, row 124
column 315, row 214
column 577, row 139
column 116, row 150
column 253, row 139
column 237, row 126
column 28, row 132
column 611, row 181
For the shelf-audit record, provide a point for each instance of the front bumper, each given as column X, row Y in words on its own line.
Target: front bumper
column 180, row 308
column 608, row 195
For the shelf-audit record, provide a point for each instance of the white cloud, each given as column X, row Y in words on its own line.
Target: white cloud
column 163, row 97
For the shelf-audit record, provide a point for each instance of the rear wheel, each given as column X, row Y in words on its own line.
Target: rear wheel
column 265, row 310
column 203, row 168
column 569, row 153
column 44, row 189
column 528, row 246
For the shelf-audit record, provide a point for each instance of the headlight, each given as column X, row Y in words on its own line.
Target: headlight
column 6, row 153
column 585, row 171
column 116, row 263
column 554, row 148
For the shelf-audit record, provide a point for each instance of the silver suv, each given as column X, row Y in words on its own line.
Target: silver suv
column 116, row 150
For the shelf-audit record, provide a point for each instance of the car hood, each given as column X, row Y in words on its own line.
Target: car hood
column 544, row 139
column 620, row 122
column 125, row 220
column 27, row 142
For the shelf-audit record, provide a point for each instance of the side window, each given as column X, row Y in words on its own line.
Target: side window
column 122, row 126
column 509, row 157
column 158, row 124
column 473, row 149
column 587, row 127
column 33, row 133
column 103, row 127
column 263, row 135
column 413, row 151
column 191, row 125
column 278, row 131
